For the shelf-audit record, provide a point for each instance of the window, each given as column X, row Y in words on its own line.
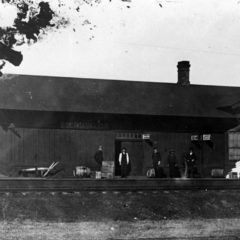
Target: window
column 234, row 146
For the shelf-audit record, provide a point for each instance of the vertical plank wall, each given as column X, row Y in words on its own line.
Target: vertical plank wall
column 180, row 142
column 40, row 147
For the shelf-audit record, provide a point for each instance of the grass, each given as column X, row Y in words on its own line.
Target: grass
column 183, row 229
column 120, row 215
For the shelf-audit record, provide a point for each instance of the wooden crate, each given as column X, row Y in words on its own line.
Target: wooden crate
column 108, row 164
column 107, row 167
column 107, row 175
column 233, row 175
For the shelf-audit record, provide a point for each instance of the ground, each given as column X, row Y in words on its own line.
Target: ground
column 121, row 215
column 169, row 229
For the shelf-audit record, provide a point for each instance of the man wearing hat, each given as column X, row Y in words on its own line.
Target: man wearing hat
column 156, row 158
column 98, row 156
column 172, row 161
column 124, row 162
column 191, row 163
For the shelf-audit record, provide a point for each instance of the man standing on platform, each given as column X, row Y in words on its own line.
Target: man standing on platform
column 191, row 162
column 156, row 158
column 172, row 161
column 124, row 162
column 99, row 157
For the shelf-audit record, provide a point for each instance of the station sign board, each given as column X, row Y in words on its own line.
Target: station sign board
column 146, row 136
column 206, row 137
column 203, row 137
column 194, row 137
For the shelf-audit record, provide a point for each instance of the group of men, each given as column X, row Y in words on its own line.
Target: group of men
column 189, row 165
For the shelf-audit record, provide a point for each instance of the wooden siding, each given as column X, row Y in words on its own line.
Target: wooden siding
column 40, row 147
column 207, row 157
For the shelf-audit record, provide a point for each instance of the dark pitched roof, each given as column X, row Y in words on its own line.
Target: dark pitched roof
column 26, row 92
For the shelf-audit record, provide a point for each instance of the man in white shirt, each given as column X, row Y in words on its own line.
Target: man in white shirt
column 124, row 162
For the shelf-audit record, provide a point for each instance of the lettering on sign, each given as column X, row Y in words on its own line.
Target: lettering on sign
column 84, row 125
column 194, row 138
column 206, row 137
column 146, row 136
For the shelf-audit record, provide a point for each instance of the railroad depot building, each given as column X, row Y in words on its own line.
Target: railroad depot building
column 46, row 119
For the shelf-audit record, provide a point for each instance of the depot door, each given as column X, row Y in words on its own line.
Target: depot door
column 136, row 155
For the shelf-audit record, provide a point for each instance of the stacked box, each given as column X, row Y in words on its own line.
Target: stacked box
column 107, row 169
column 233, row 175
column 107, row 175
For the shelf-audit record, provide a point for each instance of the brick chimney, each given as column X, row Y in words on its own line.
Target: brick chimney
column 183, row 73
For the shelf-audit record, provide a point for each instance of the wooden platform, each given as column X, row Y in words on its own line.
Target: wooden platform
column 126, row 184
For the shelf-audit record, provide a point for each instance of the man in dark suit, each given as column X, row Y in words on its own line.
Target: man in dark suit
column 99, row 157
column 156, row 158
column 191, row 163
column 172, row 163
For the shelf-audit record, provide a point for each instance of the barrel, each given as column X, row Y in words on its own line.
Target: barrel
column 82, row 171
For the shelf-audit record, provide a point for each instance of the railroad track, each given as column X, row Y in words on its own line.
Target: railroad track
column 76, row 184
